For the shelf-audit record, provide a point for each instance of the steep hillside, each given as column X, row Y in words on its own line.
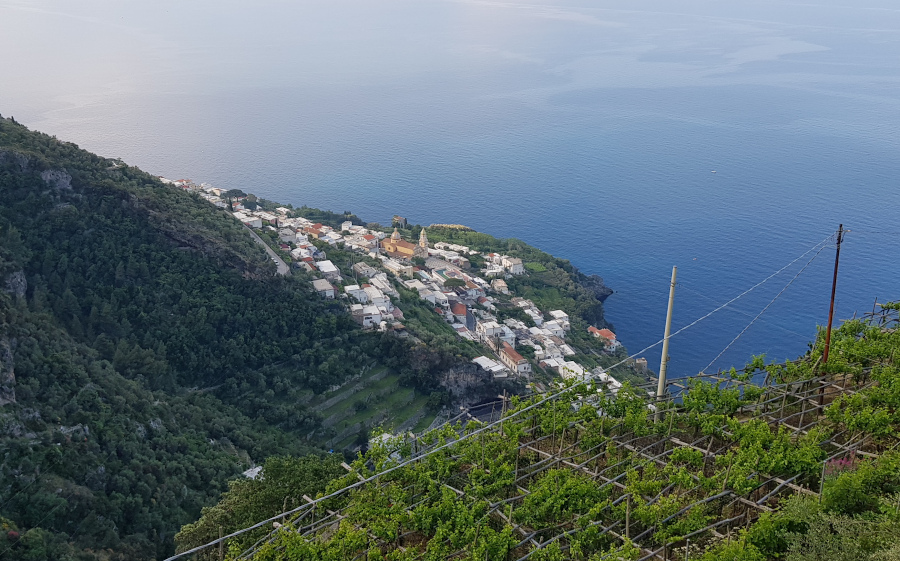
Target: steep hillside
column 795, row 461
column 148, row 353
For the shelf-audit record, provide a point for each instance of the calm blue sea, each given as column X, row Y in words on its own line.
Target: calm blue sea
column 588, row 129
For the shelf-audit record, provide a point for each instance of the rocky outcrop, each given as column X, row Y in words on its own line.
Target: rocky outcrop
column 57, row 178
column 469, row 385
column 17, row 160
column 16, row 284
column 596, row 285
column 7, row 374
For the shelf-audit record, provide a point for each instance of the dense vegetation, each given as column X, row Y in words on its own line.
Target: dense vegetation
column 744, row 466
column 147, row 354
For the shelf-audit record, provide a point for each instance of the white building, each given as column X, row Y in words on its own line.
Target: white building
column 415, row 284
column 367, row 316
column 381, row 282
column 535, row 316
column 328, row 269
column 398, row 268
column 364, row 269
column 561, row 317
column 251, row 221
column 441, row 299
column 378, row 299
column 570, row 369
column 324, row 288
column 491, row 366
column 555, row 328
column 357, row 293
column 287, row 235
column 513, row 265
column 487, row 330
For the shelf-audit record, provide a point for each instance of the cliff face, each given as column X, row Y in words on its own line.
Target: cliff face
column 469, row 385
column 596, row 285
column 16, row 284
column 7, row 374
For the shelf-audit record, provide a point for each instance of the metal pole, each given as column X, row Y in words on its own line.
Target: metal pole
column 837, row 257
column 661, row 386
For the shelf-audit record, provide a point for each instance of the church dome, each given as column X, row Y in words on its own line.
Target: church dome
column 395, row 237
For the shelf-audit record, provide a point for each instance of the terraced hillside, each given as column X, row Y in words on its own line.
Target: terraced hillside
column 374, row 398
column 784, row 461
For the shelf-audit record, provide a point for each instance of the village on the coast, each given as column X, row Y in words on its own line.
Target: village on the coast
column 442, row 276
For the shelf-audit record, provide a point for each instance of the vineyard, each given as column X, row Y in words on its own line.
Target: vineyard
column 589, row 475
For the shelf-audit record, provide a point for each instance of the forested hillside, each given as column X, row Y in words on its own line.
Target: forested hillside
column 147, row 354
column 796, row 461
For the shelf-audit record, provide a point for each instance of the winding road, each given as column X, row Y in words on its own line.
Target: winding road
column 283, row 268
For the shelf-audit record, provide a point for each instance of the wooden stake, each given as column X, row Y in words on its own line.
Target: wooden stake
column 628, row 517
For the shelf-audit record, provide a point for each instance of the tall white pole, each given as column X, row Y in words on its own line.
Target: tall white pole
column 661, row 387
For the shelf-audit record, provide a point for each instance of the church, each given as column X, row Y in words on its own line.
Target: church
column 398, row 248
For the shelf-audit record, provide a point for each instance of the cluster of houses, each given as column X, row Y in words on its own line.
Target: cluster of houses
column 467, row 301
column 205, row 190
column 500, row 265
column 546, row 338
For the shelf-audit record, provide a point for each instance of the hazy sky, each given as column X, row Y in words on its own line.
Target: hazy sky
column 55, row 55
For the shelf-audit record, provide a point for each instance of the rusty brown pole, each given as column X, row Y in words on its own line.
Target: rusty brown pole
column 837, row 257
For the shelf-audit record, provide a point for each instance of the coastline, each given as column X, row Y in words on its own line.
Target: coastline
column 510, row 309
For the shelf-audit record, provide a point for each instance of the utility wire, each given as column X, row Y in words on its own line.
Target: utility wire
column 478, row 431
column 880, row 232
column 45, row 469
column 738, row 336
column 748, row 291
column 41, row 521
column 742, row 312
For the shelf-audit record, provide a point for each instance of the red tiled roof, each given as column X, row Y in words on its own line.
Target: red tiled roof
column 605, row 333
column 511, row 352
column 458, row 309
column 369, row 237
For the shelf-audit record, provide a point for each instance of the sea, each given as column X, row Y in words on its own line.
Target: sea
column 729, row 139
